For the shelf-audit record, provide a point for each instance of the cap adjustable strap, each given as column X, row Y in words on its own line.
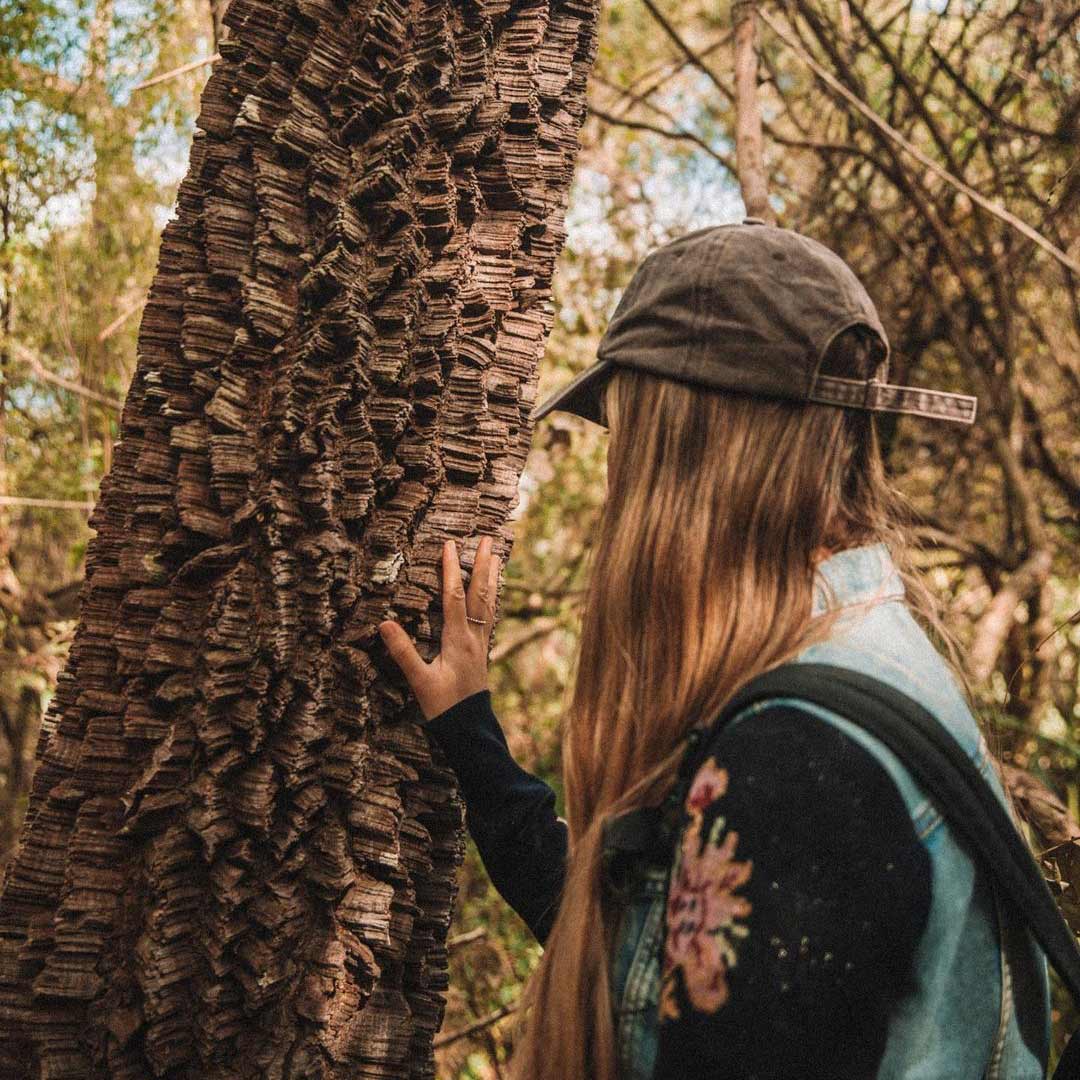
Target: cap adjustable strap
column 884, row 397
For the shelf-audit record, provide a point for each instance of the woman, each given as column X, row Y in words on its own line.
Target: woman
column 817, row 917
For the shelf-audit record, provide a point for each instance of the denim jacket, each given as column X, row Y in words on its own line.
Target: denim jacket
column 981, row 1008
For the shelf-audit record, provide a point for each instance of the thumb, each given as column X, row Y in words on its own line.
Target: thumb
column 401, row 648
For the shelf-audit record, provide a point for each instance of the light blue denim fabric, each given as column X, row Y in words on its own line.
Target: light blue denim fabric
column 976, row 986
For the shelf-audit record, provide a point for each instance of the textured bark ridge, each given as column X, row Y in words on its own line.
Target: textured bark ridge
column 238, row 859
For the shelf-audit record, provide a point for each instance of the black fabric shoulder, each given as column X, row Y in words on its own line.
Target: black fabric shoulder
column 798, row 898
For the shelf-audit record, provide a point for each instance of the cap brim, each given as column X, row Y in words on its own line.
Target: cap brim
column 581, row 396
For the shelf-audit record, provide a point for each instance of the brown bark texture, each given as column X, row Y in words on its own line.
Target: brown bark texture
column 239, row 854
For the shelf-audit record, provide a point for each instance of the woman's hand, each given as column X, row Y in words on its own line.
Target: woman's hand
column 460, row 669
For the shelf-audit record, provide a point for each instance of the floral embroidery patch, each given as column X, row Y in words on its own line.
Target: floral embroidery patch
column 702, row 907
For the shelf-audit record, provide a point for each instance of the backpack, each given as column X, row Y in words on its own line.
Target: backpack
column 934, row 758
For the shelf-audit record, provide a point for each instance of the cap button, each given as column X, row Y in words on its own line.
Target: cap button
column 753, row 221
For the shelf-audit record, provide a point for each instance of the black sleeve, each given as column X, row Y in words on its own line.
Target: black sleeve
column 798, row 897
column 509, row 812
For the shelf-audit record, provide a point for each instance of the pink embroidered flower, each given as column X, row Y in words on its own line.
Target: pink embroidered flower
column 709, row 784
column 702, row 907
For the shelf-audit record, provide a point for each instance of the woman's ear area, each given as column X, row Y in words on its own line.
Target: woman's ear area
column 605, row 400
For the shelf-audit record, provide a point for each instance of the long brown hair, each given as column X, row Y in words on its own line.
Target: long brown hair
column 701, row 577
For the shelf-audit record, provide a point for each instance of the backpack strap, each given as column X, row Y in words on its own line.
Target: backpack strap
column 937, row 762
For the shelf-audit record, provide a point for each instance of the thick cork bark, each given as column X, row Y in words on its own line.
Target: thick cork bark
column 239, row 857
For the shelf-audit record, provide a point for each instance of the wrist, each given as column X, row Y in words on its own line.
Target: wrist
column 462, row 714
column 456, row 703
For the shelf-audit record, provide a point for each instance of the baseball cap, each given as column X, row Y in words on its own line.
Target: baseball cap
column 749, row 307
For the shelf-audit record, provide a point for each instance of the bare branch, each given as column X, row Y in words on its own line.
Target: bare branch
column 108, row 331
column 678, row 134
column 1058, row 471
column 536, row 629
column 685, row 49
column 183, row 69
column 748, row 142
column 994, row 115
column 473, row 1029
column 634, row 95
column 993, row 627
column 476, row 934
column 51, row 504
column 44, row 374
column 914, row 151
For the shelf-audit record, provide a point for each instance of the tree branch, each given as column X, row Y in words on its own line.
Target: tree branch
column 478, row 933
column 52, row 504
column 678, row 134
column 987, row 204
column 183, row 69
column 44, row 374
column 749, row 151
column 120, row 319
column 685, row 49
column 993, row 627
column 473, row 1029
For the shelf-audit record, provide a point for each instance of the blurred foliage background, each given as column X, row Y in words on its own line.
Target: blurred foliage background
column 966, row 104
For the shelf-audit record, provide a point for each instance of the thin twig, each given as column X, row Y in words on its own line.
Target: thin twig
column 473, row 1029
column 669, row 69
column 678, row 134
column 476, row 934
column 52, row 504
column 929, row 162
column 121, row 319
column 43, row 373
column 685, row 49
column 181, row 70
column 537, row 628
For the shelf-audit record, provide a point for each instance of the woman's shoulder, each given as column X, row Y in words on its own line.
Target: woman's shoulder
column 809, row 748
column 798, row 875
column 795, row 786
column 793, row 726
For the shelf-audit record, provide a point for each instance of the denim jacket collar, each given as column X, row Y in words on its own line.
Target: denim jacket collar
column 854, row 576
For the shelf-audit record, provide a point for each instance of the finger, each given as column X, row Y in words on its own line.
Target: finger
column 453, row 591
column 399, row 645
column 480, row 582
column 493, row 584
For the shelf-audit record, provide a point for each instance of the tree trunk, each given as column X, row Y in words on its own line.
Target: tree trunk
column 749, row 145
column 239, row 854
column 217, row 21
